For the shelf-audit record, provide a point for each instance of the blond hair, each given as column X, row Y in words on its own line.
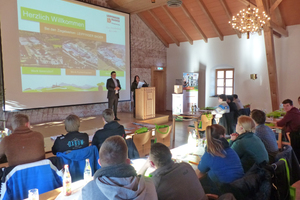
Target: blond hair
column 19, row 120
column 214, row 144
column 72, row 123
column 247, row 123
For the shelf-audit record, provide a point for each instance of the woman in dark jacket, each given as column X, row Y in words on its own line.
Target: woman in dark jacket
column 134, row 86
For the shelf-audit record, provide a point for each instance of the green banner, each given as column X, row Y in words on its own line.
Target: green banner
column 41, row 71
column 107, row 73
column 51, row 18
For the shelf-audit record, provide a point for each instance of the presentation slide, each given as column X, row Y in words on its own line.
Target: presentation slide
column 61, row 52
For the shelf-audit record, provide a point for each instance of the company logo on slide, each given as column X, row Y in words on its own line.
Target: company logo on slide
column 113, row 20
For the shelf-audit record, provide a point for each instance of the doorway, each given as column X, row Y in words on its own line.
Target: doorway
column 158, row 80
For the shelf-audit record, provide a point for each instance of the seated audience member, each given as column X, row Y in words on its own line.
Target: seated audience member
column 23, row 145
column 237, row 102
column 117, row 179
column 291, row 120
column 222, row 108
column 172, row 180
column 265, row 133
column 73, row 139
column 220, row 162
column 110, row 128
column 247, row 145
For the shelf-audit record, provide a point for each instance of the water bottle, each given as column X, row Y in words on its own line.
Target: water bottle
column 87, row 174
column 67, row 181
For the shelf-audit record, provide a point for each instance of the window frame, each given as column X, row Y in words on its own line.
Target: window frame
column 224, row 87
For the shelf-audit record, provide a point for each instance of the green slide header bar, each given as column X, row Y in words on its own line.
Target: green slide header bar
column 41, row 71
column 107, row 73
column 51, row 18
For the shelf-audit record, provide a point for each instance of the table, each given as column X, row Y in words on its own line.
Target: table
column 195, row 116
column 185, row 153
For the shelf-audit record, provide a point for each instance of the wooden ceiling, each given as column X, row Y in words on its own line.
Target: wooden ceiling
column 203, row 19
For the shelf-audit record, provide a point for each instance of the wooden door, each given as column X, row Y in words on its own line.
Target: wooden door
column 159, row 82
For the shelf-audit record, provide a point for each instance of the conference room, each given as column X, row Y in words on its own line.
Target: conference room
column 58, row 56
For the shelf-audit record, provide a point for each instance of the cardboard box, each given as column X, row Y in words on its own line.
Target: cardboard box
column 178, row 89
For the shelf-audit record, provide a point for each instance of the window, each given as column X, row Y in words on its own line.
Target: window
column 224, row 81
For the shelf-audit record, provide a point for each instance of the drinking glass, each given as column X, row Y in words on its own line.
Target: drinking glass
column 33, row 194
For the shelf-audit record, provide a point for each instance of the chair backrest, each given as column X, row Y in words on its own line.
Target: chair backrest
column 76, row 161
column 142, row 142
column 164, row 138
column 42, row 175
column 205, row 122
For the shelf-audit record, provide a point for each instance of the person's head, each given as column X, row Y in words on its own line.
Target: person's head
column 287, row 105
column 160, row 155
column 245, row 124
column 258, row 116
column 229, row 98
column 108, row 115
column 213, row 135
column 222, row 97
column 235, row 96
column 20, row 120
column 136, row 79
column 113, row 151
column 72, row 123
column 299, row 100
column 113, row 74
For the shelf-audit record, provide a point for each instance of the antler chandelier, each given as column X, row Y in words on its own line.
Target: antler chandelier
column 249, row 21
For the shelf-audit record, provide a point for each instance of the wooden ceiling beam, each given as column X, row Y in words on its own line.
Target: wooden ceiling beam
column 274, row 6
column 164, row 27
column 193, row 21
column 229, row 15
column 271, row 61
column 278, row 35
column 174, row 20
column 155, row 5
column 210, row 19
column 277, row 14
column 279, row 29
column 153, row 30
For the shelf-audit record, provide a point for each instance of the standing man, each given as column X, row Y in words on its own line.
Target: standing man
column 113, row 86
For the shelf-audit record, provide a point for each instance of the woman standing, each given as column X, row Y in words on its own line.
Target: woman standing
column 247, row 145
column 134, row 86
column 220, row 162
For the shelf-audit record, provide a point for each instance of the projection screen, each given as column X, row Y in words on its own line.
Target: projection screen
column 61, row 52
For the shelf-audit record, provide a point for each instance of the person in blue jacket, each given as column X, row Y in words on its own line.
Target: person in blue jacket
column 219, row 164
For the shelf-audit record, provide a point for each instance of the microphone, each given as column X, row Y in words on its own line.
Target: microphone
column 145, row 84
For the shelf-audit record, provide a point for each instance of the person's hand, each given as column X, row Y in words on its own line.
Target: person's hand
column 233, row 136
column 117, row 88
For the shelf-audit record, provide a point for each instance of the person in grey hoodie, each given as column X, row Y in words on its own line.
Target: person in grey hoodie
column 117, row 179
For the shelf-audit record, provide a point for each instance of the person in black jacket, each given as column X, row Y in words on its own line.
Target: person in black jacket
column 73, row 139
column 110, row 128
column 113, row 86
column 134, row 86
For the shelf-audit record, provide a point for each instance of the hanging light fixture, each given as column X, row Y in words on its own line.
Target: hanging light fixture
column 249, row 21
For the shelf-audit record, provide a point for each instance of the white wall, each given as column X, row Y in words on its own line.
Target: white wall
column 246, row 57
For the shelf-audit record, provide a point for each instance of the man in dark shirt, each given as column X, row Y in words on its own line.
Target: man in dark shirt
column 110, row 128
column 174, row 181
column 73, row 139
column 291, row 120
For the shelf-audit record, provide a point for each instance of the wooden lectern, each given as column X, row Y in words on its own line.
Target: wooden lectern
column 145, row 103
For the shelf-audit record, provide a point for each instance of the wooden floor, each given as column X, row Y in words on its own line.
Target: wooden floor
column 96, row 122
